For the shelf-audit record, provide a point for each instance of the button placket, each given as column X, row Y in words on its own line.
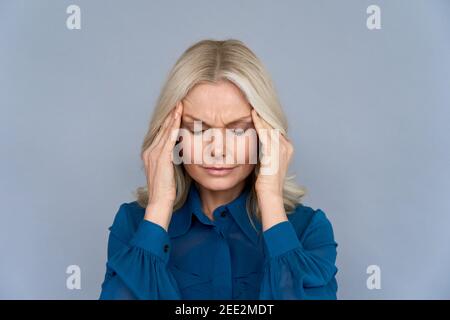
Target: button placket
column 222, row 222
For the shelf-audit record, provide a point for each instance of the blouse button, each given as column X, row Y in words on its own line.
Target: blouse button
column 223, row 214
column 166, row 247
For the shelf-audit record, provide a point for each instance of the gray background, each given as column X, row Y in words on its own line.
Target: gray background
column 368, row 113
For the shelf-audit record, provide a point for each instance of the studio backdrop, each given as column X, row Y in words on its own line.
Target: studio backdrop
column 365, row 86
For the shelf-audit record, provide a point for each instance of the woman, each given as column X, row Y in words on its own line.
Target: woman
column 207, row 228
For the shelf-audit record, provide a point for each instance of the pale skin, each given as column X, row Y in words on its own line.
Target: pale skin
column 217, row 105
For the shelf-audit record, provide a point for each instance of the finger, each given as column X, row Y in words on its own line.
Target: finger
column 158, row 136
column 262, row 132
column 270, row 137
column 259, row 126
column 156, row 140
column 265, row 125
column 256, row 120
column 171, row 137
column 288, row 144
column 163, row 128
column 268, row 126
column 166, row 132
column 285, row 139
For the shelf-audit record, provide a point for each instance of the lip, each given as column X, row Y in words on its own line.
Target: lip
column 219, row 171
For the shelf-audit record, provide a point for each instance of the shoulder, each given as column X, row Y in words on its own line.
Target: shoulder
column 127, row 219
column 309, row 222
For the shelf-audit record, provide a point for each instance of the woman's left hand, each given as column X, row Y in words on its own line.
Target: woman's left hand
column 277, row 153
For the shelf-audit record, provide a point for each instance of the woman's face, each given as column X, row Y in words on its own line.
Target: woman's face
column 231, row 143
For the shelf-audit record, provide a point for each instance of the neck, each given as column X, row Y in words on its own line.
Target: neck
column 211, row 199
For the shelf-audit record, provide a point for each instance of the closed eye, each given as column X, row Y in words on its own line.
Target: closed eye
column 197, row 133
column 238, row 131
column 190, row 128
column 235, row 131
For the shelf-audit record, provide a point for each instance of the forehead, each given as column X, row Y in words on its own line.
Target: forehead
column 216, row 102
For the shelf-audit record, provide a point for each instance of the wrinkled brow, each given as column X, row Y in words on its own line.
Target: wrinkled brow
column 245, row 119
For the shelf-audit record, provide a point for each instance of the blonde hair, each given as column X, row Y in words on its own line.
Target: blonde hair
column 213, row 61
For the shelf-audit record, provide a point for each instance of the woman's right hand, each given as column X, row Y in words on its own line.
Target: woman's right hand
column 160, row 171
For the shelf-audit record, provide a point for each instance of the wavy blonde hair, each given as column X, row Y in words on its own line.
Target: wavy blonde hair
column 212, row 61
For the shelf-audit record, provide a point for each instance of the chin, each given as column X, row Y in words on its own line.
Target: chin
column 217, row 184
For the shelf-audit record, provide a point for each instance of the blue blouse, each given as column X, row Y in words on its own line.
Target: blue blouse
column 222, row 259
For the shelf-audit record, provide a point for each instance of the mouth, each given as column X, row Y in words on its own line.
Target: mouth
column 219, row 171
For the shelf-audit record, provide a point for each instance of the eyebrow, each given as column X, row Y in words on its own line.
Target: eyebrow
column 244, row 119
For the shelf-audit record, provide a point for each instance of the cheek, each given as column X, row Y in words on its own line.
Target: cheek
column 245, row 170
column 192, row 170
column 247, row 148
column 187, row 149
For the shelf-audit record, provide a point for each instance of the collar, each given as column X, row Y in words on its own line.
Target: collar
column 182, row 218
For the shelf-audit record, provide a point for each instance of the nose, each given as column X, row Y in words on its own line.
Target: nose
column 218, row 149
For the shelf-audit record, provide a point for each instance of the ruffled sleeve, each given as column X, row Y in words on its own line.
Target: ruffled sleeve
column 297, row 269
column 137, row 261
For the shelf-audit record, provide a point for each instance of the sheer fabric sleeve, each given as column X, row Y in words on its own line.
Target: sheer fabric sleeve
column 297, row 269
column 137, row 261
